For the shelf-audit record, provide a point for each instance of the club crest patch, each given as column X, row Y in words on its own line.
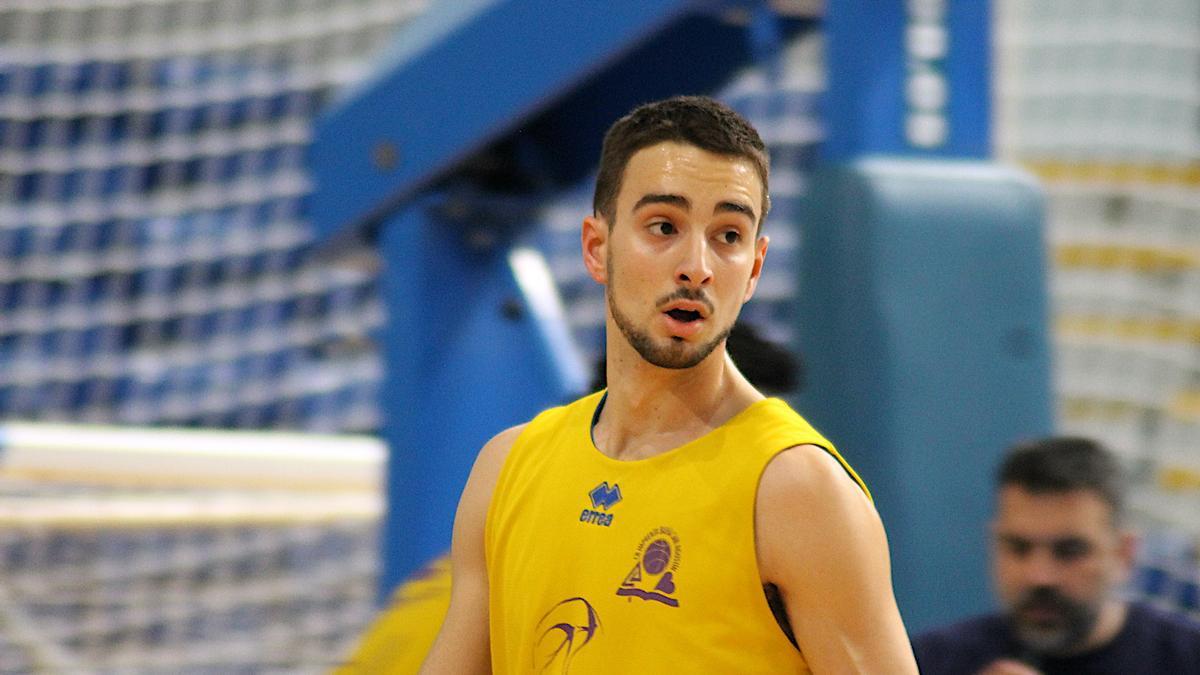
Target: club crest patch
column 655, row 567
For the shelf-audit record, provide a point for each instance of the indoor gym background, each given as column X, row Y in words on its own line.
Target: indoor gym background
column 160, row 275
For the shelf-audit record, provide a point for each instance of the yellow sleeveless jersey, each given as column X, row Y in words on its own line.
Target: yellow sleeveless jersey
column 598, row 565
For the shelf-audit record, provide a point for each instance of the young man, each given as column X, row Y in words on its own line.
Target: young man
column 1060, row 552
column 679, row 521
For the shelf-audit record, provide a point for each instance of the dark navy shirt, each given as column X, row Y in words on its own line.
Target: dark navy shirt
column 1151, row 642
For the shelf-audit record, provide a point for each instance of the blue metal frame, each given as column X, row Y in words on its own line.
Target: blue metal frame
column 470, row 349
column 494, row 66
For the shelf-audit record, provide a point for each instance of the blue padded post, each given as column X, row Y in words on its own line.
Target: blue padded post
column 923, row 323
column 474, row 343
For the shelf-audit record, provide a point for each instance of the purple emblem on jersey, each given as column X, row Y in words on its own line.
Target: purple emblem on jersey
column 666, row 584
column 565, row 629
column 648, row 595
column 653, row 575
column 657, row 555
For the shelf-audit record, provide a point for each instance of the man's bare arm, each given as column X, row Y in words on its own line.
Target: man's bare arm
column 462, row 646
column 820, row 541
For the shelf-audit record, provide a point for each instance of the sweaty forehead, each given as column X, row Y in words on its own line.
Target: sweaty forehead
column 688, row 171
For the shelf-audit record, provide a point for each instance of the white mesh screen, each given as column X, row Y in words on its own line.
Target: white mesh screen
column 121, row 555
column 156, row 265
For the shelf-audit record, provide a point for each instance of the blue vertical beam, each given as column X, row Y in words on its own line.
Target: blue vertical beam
column 908, row 77
column 473, row 344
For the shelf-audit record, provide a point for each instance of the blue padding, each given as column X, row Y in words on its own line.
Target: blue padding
column 923, row 322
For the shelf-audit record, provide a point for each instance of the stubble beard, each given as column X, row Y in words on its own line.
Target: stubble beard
column 677, row 354
column 1067, row 636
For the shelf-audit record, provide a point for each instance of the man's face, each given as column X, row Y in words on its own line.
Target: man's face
column 682, row 256
column 1057, row 559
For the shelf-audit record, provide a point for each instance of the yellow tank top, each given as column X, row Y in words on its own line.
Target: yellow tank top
column 597, row 565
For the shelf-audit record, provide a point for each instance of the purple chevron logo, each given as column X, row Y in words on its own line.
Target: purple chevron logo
column 564, row 630
column 604, row 497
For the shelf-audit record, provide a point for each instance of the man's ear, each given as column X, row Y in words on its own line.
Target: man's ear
column 594, row 241
column 1127, row 544
column 760, row 255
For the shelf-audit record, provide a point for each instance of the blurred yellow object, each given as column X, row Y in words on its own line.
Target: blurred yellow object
column 398, row 640
column 1183, row 174
column 1179, row 479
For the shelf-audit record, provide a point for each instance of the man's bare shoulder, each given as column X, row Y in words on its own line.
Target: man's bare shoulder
column 809, row 469
column 493, row 454
column 807, row 500
column 821, row 543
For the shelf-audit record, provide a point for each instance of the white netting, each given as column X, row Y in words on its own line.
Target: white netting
column 156, row 264
column 1101, row 100
column 155, row 571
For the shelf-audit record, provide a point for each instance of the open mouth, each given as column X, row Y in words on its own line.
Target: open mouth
column 684, row 315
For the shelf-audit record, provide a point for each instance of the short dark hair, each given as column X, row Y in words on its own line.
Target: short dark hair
column 1060, row 464
column 695, row 120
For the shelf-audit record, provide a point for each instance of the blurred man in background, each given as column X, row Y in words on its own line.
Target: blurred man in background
column 1061, row 550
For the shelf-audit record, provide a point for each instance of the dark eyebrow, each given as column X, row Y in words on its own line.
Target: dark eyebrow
column 736, row 207
column 683, row 203
column 674, row 200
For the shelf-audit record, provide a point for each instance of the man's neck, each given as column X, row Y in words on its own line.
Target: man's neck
column 650, row 410
column 1108, row 625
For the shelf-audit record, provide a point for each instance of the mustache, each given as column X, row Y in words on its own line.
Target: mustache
column 685, row 293
column 1045, row 597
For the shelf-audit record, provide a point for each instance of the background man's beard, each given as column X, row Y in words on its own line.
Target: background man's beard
column 1073, row 628
column 676, row 355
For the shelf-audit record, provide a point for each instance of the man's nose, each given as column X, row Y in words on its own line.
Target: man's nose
column 695, row 269
column 1040, row 567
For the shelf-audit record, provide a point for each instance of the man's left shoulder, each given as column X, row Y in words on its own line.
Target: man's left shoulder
column 807, row 493
column 810, row 467
column 978, row 632
column 964, row 646
column 813, row 472
column 1163, row 640
column 1166, row 626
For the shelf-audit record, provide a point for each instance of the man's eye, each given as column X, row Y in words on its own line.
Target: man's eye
column 662, row 227
column 1018, row 547
column 1070, row 549
column 731, row 236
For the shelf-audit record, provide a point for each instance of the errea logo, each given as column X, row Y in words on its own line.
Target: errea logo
column 603, row 497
